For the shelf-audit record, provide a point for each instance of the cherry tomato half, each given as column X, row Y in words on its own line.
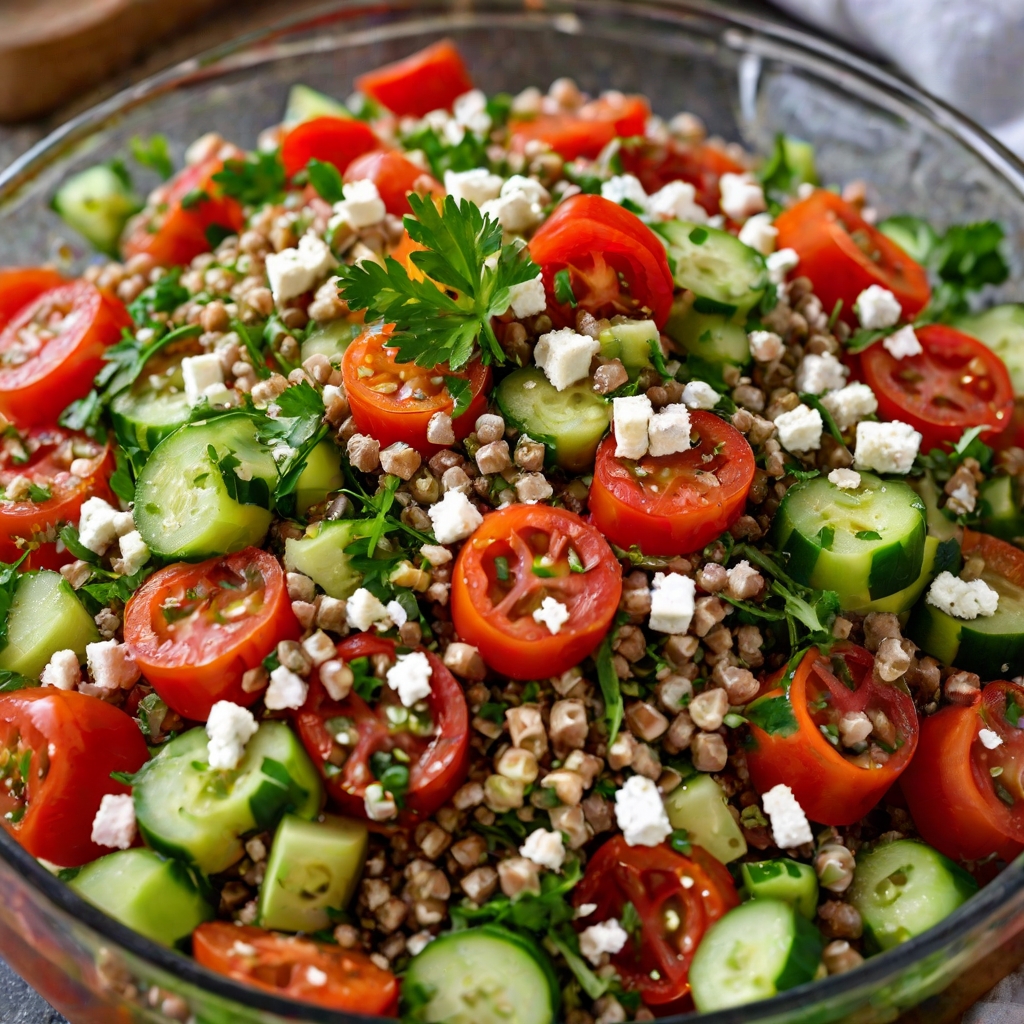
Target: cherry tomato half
column 51, row 349
column 433, row 741
column 173, row 227
column 195, row 630
column 584, row 132
column 843, row 254
column 21, row 285
column 673, row 504
column 957, row 804
column 616, row 263
column 332, row 140
column 294, row 967
column 431, row 79
column 692, row 892
column 519, row 557
column 394, row 401
column 57, row 750
column 394, row 177
column 835, row 785
column 45, row 456
column 955, row 383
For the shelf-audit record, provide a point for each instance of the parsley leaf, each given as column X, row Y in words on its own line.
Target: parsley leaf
column 154, row 154
column 774, row 715
column 611, row 693
column 163, row 296
column 326, row 179
column 790, row 164
column 461, row 393
column 9, row 579
column 445, row 155
column 257, row 179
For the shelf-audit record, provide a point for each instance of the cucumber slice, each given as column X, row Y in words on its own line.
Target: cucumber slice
column 319, row 477
column 700, row 806
column 782, row 879
column 799, row 156
column 330, row 339
column 305, row 103
column 630, row 343
column 483, row 975
column 938, row 557
column 314, row 868
column 711, row 341
column 756, row 950
column 187, row 810
column 864, row 544
column 903, row 888
column 727, row 276
column 1002, row 329
column 157, row 898
column 97, row 203
column 940, row 525
column 914, row 236
column 184, row 510
column 321, row 555
column 1001, row 505
column 46, row 616
column 569, row 423
column 153, row 407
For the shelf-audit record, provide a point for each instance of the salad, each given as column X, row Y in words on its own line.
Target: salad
column 510, row 558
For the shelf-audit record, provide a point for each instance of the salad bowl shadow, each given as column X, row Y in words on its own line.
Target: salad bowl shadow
column 748, row 80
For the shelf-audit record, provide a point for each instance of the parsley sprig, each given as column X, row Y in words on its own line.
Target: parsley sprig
column 436, row 325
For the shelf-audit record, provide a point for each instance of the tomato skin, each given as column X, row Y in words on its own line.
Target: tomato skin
column 680, row 521
column 397, row 416
column 701, row 164
column 436, row 768
column 955, row 383
column 431, row 79
column 651, row 878
column 194, row 665
column 1000, row 556
column 394, row 177
column 83, row 739
column 831, row 790
column 173, row 234
column 512, row 642
column 585, row 132
column 332, row 140
column 41, row 375
column 820, row 227
column 21, row 285
column 280, row 964
column 587, row 227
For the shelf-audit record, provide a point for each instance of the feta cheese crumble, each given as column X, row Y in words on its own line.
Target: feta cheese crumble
column 820, row 373
column 203, row 378
column 851, row 404
column 845, row 479
column 676, row 201
column 286, row 690
column 790, row 827
column 545, row 849
column 454, row 518
column 700, row 395
column 990, row 739
column 111, row 665
column 877, row 308
column 742, row 197
column 631, row 417
column 97, row 524
column 114, row 824
column 363, row 610
column 229, row 728
column 293, row 272
column 800, row 429
column 760, row 233
column 963, row 599
column 565, row 356
column 477, row 185
column 902, row 343
column 640, row 813
column 409, row 677
column 620, row 187
column 552, row 614
column 672, row 602
column 780, row 263
column 669, row 429
column 134, row 553
column 528, row 298
column 362, row 206
column 607, row 937
column 62, row 671
column 886, row 447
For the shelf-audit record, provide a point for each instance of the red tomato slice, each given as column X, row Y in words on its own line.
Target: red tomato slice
column 394, row 177
column 585, row 132
column 333, row 140
column 431, row 79
column 530, row 545
column 172, row 229
column 833, row 785
column 957, row 382
column 700, row 164
column 53, row 347
column 436, row 744
column 394, row 401
column 34, row 525
column 21, row 285
column 290, row 966
column 602, row 245
column 673, row 504
column 195, row 630
column 57, row 750
column 659, row 882
column 843, row 254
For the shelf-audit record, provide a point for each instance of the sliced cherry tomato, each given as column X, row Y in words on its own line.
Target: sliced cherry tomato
column 57, row 750
column 673, row 504
column 21, row 285
column 957, row 382
column 1000, row 557
column 677, row 898
column 430, row 79
column 173, row 228
column 44, row 456
column 702, row 165
column 394, row 177
column 51, row 349
column 616, row 263
column 333, row 140
column 517, row 559
column 843, row 254
column 835, row 785
column 348, row 739
column 585, row 132
column 195, row 630
column 294, row 967
column 394, row 401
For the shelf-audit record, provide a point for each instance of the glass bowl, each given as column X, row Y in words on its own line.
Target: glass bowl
column 748, row 80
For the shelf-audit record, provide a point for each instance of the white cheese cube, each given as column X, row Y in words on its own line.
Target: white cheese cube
column 134, row 553
column 292, row 272
column 780, row 264
column 114, row 824
column 545, row 849
column 470, row 110
column 477, row 185
column 286, row 690
column 551, row 613
column 902, row 343
column 528, row 298
column 672, row 602
column 531, row 188
column 515, row 213
column 760, row 233
column 229, row 728
column 565, row 356
column 97, row 525
column 607, row 937
column 200, row 373
column 851, row 404
column 409, row 677
column 362, row 206
column 790, row 827
column 669, row 430
column 963, row 599
column 396, row 613
column 631, row 417
column 620, row 187
column 800, row 429
column 111, row 665
column 845, row 479
column 700, row 395
column 742, row 197
column 819, row 373
column 886, row 447
column 640, row 813
column 454, row 518
column 877, row 308
column 363, row 610
column 677, row 201
column 62, row 671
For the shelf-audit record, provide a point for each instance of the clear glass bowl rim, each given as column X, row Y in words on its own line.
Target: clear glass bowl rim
column 762, row 35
